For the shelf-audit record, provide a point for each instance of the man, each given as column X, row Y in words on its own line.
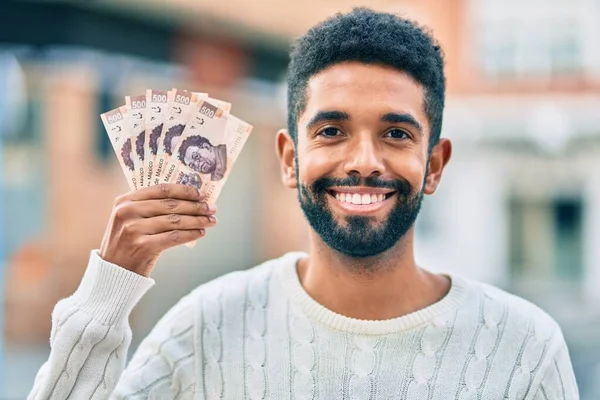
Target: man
column 200, row 155
column 355, row 318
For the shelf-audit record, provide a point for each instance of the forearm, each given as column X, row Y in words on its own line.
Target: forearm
column 90, row 335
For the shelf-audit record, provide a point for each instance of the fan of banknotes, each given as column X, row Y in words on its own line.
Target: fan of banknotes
column 176, row 136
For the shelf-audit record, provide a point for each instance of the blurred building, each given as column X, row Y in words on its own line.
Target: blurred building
column 519, row 206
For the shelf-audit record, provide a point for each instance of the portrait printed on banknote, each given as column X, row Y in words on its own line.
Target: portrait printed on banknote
column 191, row 179
column 197, row 149
column 202, row 156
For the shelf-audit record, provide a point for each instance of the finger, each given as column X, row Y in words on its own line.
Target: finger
column 165, row 191
column 154, row 208
column 174, row 238
column 171, row 222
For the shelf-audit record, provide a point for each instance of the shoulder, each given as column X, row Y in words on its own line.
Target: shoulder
column 521, row 316
column 520, row 337
column 518, row 319
column 523, row 330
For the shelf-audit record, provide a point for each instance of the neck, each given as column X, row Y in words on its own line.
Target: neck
column 381, row 287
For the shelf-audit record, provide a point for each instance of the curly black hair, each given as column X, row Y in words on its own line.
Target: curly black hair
column 154, row 136
column 369, row 37
column 139, row 145
column 173, row 131
column 126, row 154
column 195, row 140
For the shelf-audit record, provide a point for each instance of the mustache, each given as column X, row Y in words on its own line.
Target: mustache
column 321, row 185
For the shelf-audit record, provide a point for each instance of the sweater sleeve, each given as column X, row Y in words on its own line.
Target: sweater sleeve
column 163, row 365
column 558, row 381
column 90, row 334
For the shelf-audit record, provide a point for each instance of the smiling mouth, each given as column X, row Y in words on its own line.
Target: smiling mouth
column 361, row 198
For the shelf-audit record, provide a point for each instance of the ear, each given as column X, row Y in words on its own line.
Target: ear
column 440, row 155
column 284, row 147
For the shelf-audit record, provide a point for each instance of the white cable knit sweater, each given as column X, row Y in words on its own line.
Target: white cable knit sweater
column 257, row 334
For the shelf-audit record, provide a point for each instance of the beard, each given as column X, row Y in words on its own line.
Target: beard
column 360, row 237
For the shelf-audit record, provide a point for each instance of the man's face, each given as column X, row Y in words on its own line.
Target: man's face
column 201, row 158
column 362, row 156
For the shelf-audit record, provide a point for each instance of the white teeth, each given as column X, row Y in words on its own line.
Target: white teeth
column 358, row 198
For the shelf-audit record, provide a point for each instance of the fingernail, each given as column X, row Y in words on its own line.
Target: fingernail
column 202, row 231
column 212, row 218
column 211, row 207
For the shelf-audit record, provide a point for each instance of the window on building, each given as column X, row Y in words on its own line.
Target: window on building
column 546, row 241
column 537, row 38
column 568, row 240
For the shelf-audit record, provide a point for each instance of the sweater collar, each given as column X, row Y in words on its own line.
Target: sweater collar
column 437, row 313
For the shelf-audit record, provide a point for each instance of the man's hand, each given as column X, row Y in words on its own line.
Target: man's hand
column 148, row 221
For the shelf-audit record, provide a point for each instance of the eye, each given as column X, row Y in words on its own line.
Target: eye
column 397, row 133
column 329, row 131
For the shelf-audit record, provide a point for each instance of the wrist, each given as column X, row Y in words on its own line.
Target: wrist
column 143, row 268
column 108, row 291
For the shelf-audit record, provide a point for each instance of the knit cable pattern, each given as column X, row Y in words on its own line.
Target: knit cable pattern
column 492, row 317
column 303, row 356
column 364, row 360
column 256, row 328
column 432, row 343
column 530, row 357
column 212, row 343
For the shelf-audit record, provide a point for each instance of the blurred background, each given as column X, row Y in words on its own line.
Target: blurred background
column 519, row 205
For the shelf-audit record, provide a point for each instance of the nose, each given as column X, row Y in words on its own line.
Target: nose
column 364, row 158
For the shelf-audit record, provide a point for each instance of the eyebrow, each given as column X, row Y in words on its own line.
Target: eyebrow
column 322, row 116
column 395, row 118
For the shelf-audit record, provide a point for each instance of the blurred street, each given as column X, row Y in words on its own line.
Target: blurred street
column 519, row 206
